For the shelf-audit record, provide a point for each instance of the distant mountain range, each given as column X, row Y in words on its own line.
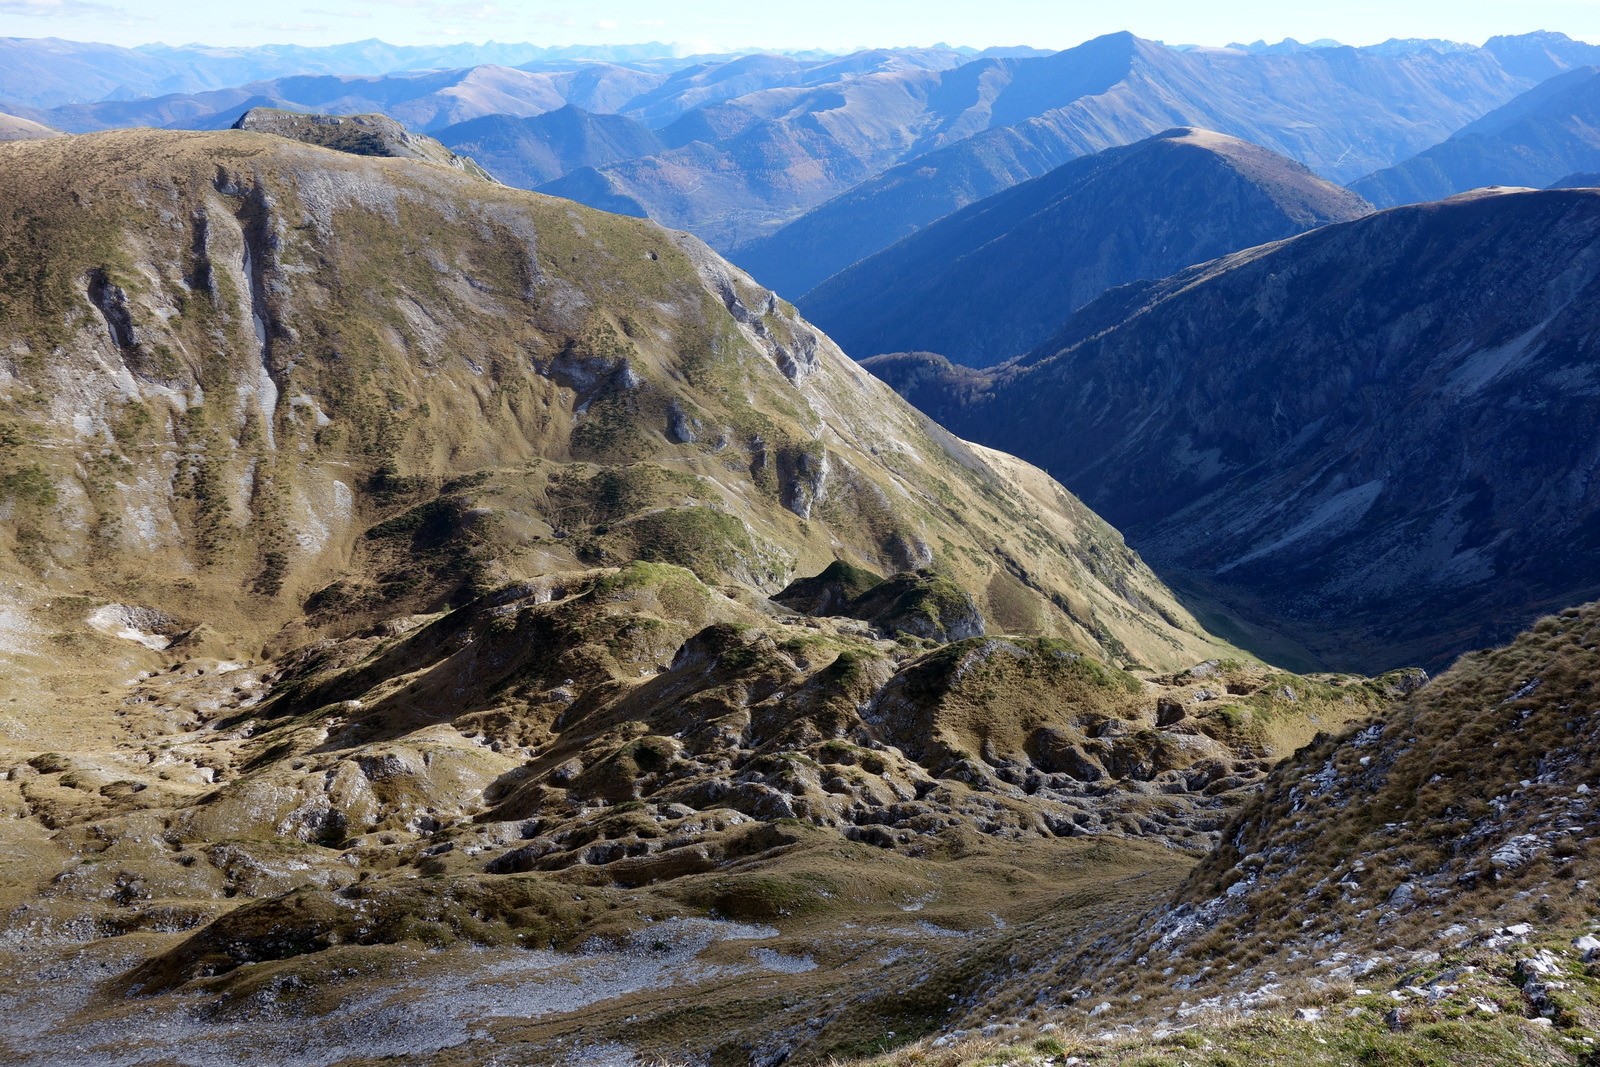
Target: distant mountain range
column 1543, row 135
column 1343, row 112
column 530, row 151
column 734, row 169
column 1376, row 436
column 804, row 164
column 429, row 96
column 423, row 100
column 1395, row 46
column 994, row 279
column 48, row 72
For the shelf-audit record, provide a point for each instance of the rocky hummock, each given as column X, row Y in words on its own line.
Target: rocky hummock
column 992, row 280
column 359, row 135
column 1459, row 821
column 1371, row 437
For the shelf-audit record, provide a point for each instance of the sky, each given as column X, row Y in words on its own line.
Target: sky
column 836, row 25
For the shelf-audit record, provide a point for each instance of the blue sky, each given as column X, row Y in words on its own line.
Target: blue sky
column 715, row 25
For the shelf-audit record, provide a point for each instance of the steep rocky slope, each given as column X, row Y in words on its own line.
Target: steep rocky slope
column 1343, row 112
column 360, row 135
column 444, row 622
column 1373, row 437
column 298, row 352
column 1415, row 889
column 1545, row 133
column 527, row 152
column 991, row 281
column 1466, row 807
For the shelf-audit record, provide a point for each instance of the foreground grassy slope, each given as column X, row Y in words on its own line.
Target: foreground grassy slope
column 1417, row 889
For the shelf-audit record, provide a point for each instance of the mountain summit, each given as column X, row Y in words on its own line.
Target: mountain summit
column 998, row 277
column 358, row 135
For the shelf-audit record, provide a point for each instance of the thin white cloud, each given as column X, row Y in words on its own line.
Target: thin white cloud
column 61, row 9
column 284, row 27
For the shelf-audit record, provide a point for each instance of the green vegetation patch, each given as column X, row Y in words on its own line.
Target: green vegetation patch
column 711, row 543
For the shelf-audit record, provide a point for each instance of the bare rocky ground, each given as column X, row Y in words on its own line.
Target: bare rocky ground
column 372, row 847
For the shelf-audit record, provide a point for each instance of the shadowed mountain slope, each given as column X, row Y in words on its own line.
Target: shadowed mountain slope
column 1536, row 139
column 992, row 280
column 1374, row 436
column 527, row 152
